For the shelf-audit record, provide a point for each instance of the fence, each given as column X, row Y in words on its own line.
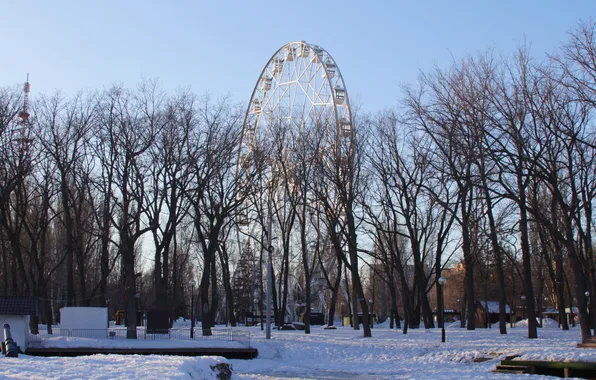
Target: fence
column 242, row 337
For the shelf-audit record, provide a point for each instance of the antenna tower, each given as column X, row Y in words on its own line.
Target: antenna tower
column 24, row 114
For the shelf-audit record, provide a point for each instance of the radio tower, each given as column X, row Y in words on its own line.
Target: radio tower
column 23, row 123
column 24, row 114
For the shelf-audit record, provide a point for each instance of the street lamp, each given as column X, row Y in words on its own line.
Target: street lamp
column 523, row 299
column 587, row 293
column 192, row 308
column 460, row 306
column 371, row 312
column 441, row 282
column 543, row 311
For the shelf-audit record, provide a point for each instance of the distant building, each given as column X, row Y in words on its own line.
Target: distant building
column 487, row 312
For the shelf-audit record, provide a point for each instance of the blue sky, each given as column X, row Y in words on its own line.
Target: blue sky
column 221, row 46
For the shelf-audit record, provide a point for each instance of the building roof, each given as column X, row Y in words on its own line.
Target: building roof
column 18, row 305
column 493, row 306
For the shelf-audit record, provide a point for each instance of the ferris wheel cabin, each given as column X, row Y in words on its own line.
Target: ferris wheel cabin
column 266, row 84
column 329, row 69
column 340, row 95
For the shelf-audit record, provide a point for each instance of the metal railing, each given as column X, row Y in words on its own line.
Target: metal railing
column 243, row 337
column 231, row 335
column 33, row 339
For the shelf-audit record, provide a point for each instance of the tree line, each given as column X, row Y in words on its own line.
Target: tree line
column 120, row 197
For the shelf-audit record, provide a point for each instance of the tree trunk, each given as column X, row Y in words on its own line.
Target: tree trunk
column 348, row 298
column 527, row 267
column 276, row 312
column 104, row 252
column 334, row 295
column 49, row 315
column 426, row 310
column 130, row 286
column 580, row 289
column 204, row 295
column 261, row 293
column 496, row 248
column 70, row 244
column 157, row 280
column 469, row 275
column 407, row 312
column 4, row 265
column 284, row 284
column 228, row 289
column 214, row 291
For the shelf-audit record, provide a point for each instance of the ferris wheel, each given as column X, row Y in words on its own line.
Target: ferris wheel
column 300, row 87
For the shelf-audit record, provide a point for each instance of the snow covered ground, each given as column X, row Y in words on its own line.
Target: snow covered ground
column 330, row 354
column 67, row 342
column 420, row 354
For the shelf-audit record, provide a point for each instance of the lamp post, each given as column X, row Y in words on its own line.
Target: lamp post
column 371, row 312
column 523, row 299
column 543, row 311
column 192, row 308
column 587, row 293
column 441, row 281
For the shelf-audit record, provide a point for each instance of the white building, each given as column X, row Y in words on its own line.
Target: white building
column 16, row 312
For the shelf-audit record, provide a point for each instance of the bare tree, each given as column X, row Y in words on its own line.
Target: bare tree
column 168, row 182
column 65, row 126
column 406, row 212
column 338, row 188
column 514, row 155
column 565, row 166
column 13, row 168
column 213, row 193
column 437, row 110
column 132, row 122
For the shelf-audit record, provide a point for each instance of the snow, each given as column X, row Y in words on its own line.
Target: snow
column 109, row 367
column 420, row 354
column 71, row 342
column 324, row 354
column 546, row 323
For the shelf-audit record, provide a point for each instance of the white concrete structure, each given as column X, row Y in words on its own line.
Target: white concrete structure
column 84, row 322
column 16, row 312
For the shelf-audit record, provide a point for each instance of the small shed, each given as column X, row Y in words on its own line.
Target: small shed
column 252, row 319
column 84, row 322
column 450, row 315
column 553, row 313
column 488, row 312
column 158, row 321
column 316, row 319
column 17, row 311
